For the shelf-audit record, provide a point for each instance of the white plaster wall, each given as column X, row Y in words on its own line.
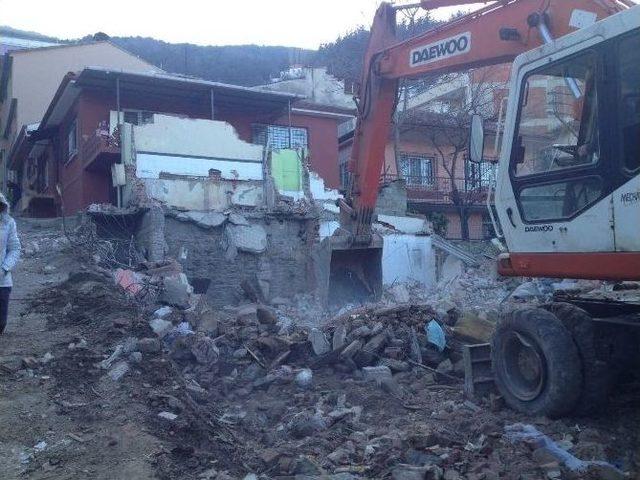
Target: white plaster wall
column 204, row 195
column 407, row 224
column 405, row 257
column 194, row 137
column 318, row 86
column 150, row 165
column 327, row 228
column 318, row 190
column 191, row 148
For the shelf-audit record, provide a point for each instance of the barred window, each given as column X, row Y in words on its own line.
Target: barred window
column 277, row 136
column 478, row 175
column 138, row 117
column 345, row 175
column 417, row 169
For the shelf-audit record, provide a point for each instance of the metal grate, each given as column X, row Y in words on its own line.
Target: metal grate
column 277, row 137
column 417, row 169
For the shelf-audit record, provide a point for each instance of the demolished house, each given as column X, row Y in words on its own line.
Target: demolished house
column 231, row 182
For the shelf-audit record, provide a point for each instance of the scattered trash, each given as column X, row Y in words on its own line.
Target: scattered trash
column 160, row 326
column 47, row 357
column 40, row 446
column 162, row 312
column 118, row 371
column 180, row 330
column 435, row 335
column 304, row 378
column 168, row 416
column 319, row 342
column 531, row 435
column 527, row 290
column 117, row 353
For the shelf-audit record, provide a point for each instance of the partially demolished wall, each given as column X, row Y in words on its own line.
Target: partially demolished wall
column 261, row 255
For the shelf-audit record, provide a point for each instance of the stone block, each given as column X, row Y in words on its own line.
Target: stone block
column 247, row 238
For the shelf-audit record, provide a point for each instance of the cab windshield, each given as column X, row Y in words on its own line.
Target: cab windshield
column 558, row 120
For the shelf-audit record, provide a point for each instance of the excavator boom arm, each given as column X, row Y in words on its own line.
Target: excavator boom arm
column 495, row 34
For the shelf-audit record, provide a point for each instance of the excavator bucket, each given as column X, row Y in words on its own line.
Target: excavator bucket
column 348, row 274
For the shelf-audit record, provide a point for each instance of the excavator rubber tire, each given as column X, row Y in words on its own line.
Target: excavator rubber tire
column 597, row 377
column 562, row 369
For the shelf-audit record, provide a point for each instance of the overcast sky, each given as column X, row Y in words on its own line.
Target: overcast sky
column 297, row 23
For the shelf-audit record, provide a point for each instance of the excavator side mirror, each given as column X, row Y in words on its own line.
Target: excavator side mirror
column 476, row 138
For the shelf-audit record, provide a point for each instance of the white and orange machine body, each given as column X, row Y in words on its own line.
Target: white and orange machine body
column 542, row 166
column 567, row 200
column 568, row 184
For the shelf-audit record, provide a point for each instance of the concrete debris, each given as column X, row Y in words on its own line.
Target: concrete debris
column 304, row 378
column 118, row 371
column 339, row 337
column 30, row 363
column 46, row 358
column 400, row 293
column 203, row 219
column 169, row 416
column 160, row 326
column 40, row 446
column 474, row 329
column 149, row 345
column 410, row 472
column 117, row 353
column 162, row 312
column 376, row 374
column 285, row 389
column 204, row 350
column 177, row 291
column 247, row 238
column 130, row 345
column 530, row 434
column 238, row 219
column 527, row 291
column 319, row 342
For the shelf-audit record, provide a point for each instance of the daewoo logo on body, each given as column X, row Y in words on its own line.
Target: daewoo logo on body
column 539, row 228
column 447, row 48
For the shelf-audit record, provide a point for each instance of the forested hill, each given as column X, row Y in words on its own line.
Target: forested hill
column 343, row 58
column 247, row 65
column 237, row 64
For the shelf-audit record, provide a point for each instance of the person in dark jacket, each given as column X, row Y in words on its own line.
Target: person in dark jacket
column 9, row 256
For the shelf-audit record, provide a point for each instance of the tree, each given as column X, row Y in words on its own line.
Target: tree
column 446, row 120
column 343, row 57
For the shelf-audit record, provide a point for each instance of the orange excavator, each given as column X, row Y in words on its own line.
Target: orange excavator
column 567, row 184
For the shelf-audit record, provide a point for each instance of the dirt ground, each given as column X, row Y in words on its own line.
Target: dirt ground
column 63, row 417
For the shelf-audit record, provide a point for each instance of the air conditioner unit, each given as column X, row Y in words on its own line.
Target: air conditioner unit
column 118, row 177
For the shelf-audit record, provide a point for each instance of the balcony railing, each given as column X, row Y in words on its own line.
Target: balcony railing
column 443, row 190
column 97, row 144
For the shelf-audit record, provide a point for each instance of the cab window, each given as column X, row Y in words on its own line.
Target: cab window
column 558, row 121
column 629, row 100
column 560, row 200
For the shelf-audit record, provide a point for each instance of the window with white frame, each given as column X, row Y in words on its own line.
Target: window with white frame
column 417, row 169
column 137, row 117
column 278, row 136
column 72, row 140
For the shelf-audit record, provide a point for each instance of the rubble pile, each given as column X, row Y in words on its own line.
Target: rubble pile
column 253, row 391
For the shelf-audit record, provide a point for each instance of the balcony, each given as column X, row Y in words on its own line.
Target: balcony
column 100, row 150
column 442, row 190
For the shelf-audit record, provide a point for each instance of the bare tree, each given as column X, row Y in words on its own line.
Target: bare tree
column 446, row 119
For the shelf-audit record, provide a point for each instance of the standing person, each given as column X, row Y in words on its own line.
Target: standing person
column 9, row 256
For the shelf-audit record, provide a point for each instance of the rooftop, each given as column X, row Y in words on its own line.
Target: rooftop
column 166, row 85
